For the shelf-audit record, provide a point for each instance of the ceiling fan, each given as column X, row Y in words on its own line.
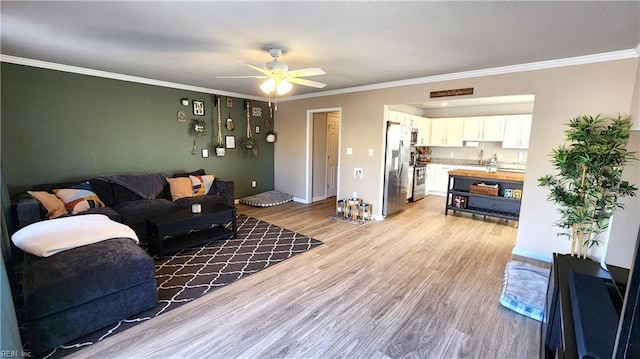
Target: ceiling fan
column 279, row 78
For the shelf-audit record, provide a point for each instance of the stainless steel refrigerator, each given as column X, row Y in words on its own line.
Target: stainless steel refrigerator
column 396, row 168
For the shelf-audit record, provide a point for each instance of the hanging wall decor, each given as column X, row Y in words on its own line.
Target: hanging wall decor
column 198, row 128
column 271, row 137
column 198, row 108
column 182, row 116
column 194, row 149
column 230, row 141
column 256, row 111
column 229, row 123
column 220, row 150
column 249, row 146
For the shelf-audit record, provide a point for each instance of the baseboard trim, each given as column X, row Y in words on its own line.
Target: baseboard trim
column 530, row 254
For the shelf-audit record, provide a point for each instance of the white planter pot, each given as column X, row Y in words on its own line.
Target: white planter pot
column 220, row 151
column 271, row 138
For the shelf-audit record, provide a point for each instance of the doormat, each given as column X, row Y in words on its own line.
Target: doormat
column 524, row 289
column 192, row 273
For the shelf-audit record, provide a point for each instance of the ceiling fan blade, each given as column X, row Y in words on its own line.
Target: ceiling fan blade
column 305, row 82
column 315, row 71
column 243, row 77
column 259, row 69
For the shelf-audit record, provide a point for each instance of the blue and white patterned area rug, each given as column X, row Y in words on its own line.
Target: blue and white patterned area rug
column 194, row 272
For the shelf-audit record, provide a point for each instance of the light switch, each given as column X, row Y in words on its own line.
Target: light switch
column 349, row 150
column 371, row 152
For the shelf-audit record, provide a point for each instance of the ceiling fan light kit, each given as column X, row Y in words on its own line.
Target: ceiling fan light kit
column 279, row 79
column 280, row 86
column 268, row 86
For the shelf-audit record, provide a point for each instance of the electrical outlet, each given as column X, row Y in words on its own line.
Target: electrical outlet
column 451, row 154
column 355, row 195
column 253, row 184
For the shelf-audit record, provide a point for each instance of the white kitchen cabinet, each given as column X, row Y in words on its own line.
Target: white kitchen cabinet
column 424, row 131
column 437, row 181
column 412, row 121
column 488, row 128
column 402, row 118
column 472, row 129
column 441, row 179
column 407, row 119
column 422, row 124
column 517, row 131
column 446, row 132
column 429, row 181
column 391, row 116
column 493, row 128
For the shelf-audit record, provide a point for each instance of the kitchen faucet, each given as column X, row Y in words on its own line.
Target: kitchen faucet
column 481, row 162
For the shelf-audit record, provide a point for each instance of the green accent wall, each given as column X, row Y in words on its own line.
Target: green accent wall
column 10, row 334
column 59, row 126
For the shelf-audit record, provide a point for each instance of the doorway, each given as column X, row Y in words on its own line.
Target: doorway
column 323, row 153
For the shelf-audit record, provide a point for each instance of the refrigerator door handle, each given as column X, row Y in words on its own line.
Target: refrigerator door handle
column 401, row 157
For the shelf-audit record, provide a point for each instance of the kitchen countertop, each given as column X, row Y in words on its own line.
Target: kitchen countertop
column 508, row 176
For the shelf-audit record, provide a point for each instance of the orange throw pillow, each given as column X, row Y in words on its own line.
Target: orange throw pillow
column 181, row 187
column 54, row 206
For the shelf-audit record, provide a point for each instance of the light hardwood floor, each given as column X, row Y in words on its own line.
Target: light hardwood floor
column 418, row 284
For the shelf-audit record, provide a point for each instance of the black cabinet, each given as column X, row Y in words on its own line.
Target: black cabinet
column 558, row 336
column 460, row 198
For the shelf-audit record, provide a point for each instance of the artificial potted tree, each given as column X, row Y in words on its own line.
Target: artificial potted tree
column 589, row 180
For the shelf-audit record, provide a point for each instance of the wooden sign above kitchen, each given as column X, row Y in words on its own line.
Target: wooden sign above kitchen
column 455, row 92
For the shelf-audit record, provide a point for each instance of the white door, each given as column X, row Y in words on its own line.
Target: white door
column 319, row 157
column 333, row 133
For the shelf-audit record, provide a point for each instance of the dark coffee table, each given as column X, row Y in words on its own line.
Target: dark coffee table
column 181, row 229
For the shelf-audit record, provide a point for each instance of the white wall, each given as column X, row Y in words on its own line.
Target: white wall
column 622, row 240
column 560, row 94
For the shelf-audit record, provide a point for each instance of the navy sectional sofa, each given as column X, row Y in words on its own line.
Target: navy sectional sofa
column 124, row 205
column 75, row 292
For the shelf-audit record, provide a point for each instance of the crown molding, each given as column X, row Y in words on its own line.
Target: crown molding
column 116, row 76
column 541, row 65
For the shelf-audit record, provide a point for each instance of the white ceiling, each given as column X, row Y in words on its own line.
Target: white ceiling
column 357, row 43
